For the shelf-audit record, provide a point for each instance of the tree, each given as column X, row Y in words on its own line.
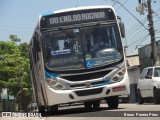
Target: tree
column 15, row 70
column 10, row 56
column 23, row 47
column 14, row 38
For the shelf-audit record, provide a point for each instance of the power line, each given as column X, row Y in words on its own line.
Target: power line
column 138, row 32
column 115, row 3
column 139, row 40
column 157, row 10
column 136, row 26
column 123, row 4
column 131, row 14
column 135, row 37
column 156, row 14
column 133, row 34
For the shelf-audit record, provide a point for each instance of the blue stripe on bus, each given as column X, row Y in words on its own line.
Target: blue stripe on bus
column 51, row 75
column 47, row 13
column 104, row 83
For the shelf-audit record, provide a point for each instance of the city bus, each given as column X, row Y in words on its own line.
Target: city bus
column 77, row 56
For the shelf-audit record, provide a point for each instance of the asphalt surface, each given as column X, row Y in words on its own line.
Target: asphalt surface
column 148, row 111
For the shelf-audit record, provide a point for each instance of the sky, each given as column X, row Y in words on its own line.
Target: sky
column 20, row 17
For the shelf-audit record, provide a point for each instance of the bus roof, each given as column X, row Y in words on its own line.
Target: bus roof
column 76, row 9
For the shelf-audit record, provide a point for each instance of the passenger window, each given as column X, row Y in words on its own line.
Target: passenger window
column 149, row 73
column 143, row 74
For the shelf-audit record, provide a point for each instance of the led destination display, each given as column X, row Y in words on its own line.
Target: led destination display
column 76, row 17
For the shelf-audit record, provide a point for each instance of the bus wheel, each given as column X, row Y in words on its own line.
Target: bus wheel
column 96, row 104
column 112, row 102
column 156, row 96
column 53, row 108
column 139, row 97
column 88, row 105
column 41, row 108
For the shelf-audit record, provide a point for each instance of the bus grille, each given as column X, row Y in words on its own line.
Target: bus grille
column 89, row 92
column 87, row 76
column 82, row 85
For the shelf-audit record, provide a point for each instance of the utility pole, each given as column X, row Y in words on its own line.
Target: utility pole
column 152, row 33
column 141, row 7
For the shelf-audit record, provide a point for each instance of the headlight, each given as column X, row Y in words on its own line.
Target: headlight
column 115, row 78
column 59, row 86
column 53, row 83
column 119, row 75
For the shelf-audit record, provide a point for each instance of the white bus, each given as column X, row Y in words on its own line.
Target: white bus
column 76, row 55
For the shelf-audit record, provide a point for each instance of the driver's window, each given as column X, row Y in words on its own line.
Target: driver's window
column 149, row 73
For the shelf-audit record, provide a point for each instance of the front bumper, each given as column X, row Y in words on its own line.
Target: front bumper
column 68, row 96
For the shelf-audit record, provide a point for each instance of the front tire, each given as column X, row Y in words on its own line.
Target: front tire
column 156, row 96
column 53, row 108
column 113, row 102
column 139, row 97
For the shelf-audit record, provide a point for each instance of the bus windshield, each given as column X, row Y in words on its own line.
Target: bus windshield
column 82, row 48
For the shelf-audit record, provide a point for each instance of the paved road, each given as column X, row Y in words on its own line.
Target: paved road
column 146, row 111
column 81, row 111
column 127, row 111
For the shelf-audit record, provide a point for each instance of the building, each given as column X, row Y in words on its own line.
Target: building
column 146, row 57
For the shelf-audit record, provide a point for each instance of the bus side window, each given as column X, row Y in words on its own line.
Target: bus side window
column 36, row 49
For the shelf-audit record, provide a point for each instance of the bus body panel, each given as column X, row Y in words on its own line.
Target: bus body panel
column 37, row 77
column 47, row 96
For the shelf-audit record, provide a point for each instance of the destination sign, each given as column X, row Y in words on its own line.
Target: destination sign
column 76, row 17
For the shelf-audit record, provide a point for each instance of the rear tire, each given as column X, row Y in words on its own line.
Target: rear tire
column 41, row 108
column 156, row 96
column 96, row 104
column 139, row 97
column 88, row 105
column 113, row 102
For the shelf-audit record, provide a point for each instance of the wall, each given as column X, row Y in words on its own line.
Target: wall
column 145, row 55
column 133, row 79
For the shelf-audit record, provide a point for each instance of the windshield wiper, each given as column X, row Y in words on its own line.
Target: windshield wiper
column 116, row 67
column 72, row 36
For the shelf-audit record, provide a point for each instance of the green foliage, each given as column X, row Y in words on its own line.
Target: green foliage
column 24, row 49
column 9, row 58
column 2, row 84
column 15, row 70
column 14, row 38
